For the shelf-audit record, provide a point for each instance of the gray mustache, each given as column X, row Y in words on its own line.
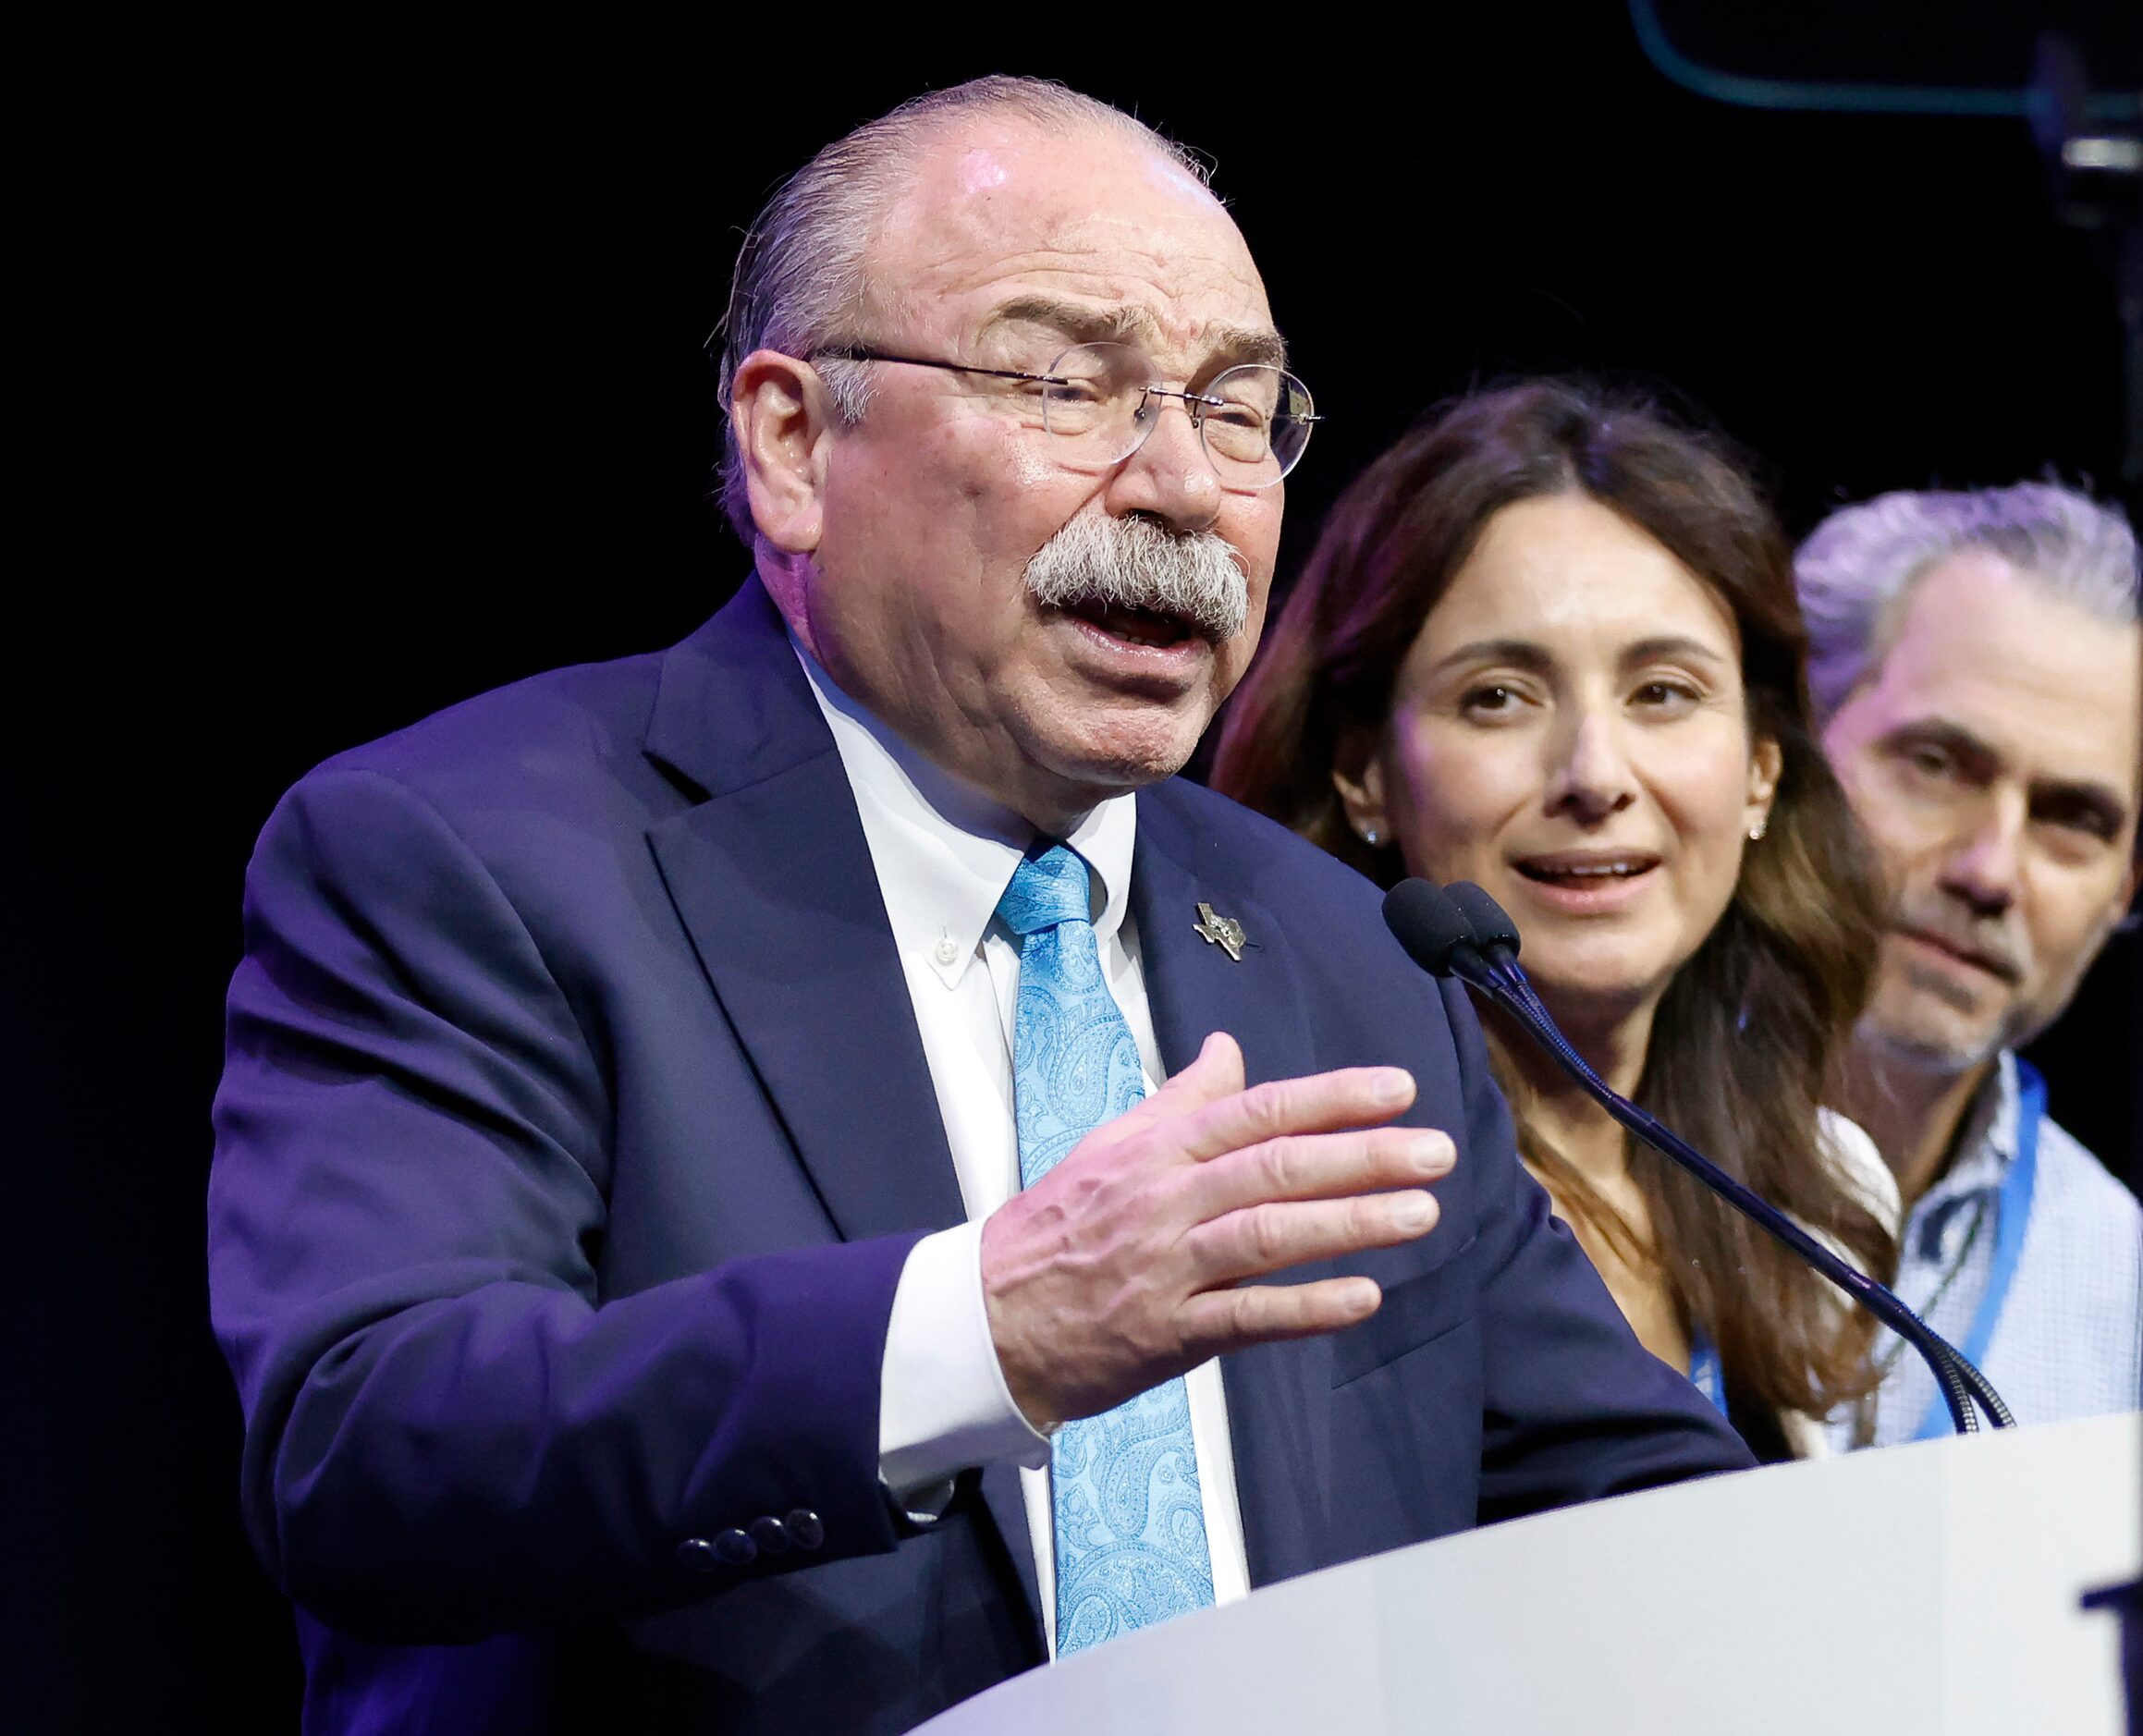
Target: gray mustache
column 1135, row 563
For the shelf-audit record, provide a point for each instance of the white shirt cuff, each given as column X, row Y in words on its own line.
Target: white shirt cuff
column 943, row 1405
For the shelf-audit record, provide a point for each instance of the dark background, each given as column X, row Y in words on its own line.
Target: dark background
column 348, row 376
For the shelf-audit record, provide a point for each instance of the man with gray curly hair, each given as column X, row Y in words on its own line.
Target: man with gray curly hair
column 1978, row 671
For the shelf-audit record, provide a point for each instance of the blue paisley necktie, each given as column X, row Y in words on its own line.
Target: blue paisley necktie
column 1130, row 1532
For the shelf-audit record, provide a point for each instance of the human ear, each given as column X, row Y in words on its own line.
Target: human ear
column 783, row 421
column 1362, row 793
column 1766, row 764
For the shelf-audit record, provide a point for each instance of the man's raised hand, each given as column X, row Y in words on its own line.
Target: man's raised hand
column 1127, row 1264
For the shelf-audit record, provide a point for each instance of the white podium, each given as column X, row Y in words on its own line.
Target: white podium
column 1927, row 1588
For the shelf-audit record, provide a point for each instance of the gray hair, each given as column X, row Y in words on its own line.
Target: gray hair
column 1859, row 564
column 803, row 271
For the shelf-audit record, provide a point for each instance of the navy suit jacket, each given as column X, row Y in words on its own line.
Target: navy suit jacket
column 574, row 1131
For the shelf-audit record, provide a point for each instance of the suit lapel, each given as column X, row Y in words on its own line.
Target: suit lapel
column 774, row 885
column 1279, row 1395
column 773, row 880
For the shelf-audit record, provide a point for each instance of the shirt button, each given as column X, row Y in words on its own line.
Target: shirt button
column 736, row 1548
column 770, row 1535
column 947, row 950
column 806, row 1529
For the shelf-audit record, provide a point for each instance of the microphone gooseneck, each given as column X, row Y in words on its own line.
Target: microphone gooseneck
column 1461, row 932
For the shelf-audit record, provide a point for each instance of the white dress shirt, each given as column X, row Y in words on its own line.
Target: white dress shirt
column 944, row 855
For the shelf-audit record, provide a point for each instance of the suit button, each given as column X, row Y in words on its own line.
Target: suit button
column 806, row 1530
column 770, row 1536
column 697, row 1555
column 735, row 1548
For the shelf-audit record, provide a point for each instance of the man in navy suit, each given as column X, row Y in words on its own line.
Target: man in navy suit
column 616, row 1228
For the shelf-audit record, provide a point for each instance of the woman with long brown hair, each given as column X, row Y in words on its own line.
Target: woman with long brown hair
column 1549, row 643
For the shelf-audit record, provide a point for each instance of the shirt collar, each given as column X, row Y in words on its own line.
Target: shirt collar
column 1987, row 1145
column 945, row 851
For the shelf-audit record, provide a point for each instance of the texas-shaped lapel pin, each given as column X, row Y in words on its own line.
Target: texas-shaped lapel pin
column 1224, row 932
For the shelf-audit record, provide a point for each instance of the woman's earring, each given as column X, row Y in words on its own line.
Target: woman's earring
column 1372, row 837
column 1755, row 832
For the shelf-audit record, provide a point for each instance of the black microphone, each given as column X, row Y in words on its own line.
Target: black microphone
column 1494, row 933
column 1496, row 937
column 1425, row 919
column 1463, row 932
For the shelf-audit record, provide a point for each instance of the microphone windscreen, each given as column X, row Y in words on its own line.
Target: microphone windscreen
column 1426, row 923
column 1491, row 923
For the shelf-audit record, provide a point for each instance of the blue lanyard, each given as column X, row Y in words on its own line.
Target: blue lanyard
column 1706, row 1372
column 2012, row 1213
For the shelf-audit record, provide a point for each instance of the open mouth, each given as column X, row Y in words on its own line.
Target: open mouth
column 1587, row 871
column 1150, row 628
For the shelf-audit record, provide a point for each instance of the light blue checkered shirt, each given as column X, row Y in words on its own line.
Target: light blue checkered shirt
column 2070, row 1340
